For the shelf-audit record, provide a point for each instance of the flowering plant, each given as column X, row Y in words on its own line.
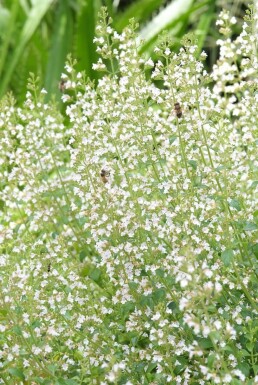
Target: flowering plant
column 129, row 228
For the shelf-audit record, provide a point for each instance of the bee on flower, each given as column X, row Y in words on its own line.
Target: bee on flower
column 104, row 174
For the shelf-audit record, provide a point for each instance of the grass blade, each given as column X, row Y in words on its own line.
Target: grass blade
column 168, row 17
column 60, row 45
column 37, row 12
column 84, row 46
column 140, row 10
column 203, row 27
column 12, row 15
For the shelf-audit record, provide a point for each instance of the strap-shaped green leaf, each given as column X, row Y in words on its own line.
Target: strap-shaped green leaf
column 37, row 12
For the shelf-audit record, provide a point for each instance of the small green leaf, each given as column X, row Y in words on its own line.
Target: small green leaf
column 17, row 330
column 133, row 285
column 172, row 306
column 227, row 257
column 250, row 226
column 245, row 368
column 236, row 382
column 250, row 346
column 211, row 360
column 151, row 367
column 40, row 381
column 205, row 343
column 255, row 249
column 160, row 273
column 35, row 324
column 127, row 308
column 255, row 369
column 17, row 373
column 86, row 270
column 52, row 368
column 139, row 368
column 95, row 274
column 62, row 381
column 192, row 163
column 254, row 184
column 3, row 312
column 235, row 204
column 159, row 295
column 172, row 139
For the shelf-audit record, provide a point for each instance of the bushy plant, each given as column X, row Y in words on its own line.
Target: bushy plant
column 129, row 227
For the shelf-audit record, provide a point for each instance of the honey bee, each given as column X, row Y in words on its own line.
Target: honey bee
column 178, row 110
column 61, row 85
column 48, row 267
column 104, row 174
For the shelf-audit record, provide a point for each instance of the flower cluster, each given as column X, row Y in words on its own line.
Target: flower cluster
column 129, row 229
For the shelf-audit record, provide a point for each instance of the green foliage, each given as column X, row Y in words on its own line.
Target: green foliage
column 37, row 37
column 128, row 227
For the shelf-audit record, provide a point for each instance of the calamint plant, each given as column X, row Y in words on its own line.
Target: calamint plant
column 129, row 226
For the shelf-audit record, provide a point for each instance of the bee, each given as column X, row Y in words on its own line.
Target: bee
column 104, row 174
column 62, row 86
column 48, row 267
column 178, row 110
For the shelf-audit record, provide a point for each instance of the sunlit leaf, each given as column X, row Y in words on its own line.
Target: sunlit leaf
column 37, row 12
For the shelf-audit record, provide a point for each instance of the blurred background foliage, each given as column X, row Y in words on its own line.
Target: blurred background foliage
column 37, row 35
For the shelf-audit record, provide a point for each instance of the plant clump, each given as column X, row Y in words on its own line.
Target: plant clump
column 129, row 228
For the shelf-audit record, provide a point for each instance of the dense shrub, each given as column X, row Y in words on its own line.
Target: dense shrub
column 129, row 227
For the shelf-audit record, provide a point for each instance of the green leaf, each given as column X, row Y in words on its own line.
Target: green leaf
column 83, row 254
column 254, row 184
column 7, row 26
column 151, row 367
column 203, row 26
column 127, row 308
column 17, row 373
column 215, row 336
column 170, row 16
column 146, row 300
column 133, row 285
column 3, row 312
column 255, row 369
column 172, row 139
column 35, row 324
column 37, row 12
column 62, row 381
column 172, row 306
column 250, row 346
column 40, row 381
column 139, row 10
column 52, row 368
column 17, row 330
column 139, row 368
column 205, row 343
column 60, row 45
column 245, row 368
column 95, row 274
column 236, row 382
column 193, row 164
column 160, row 273
column 250, row 226
column 5, row 15
column 85, row 48
column 227, row 257
column 255, row 249
column 211, row 360
column 86, row 270
column 159, row 295
column 235, row 204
